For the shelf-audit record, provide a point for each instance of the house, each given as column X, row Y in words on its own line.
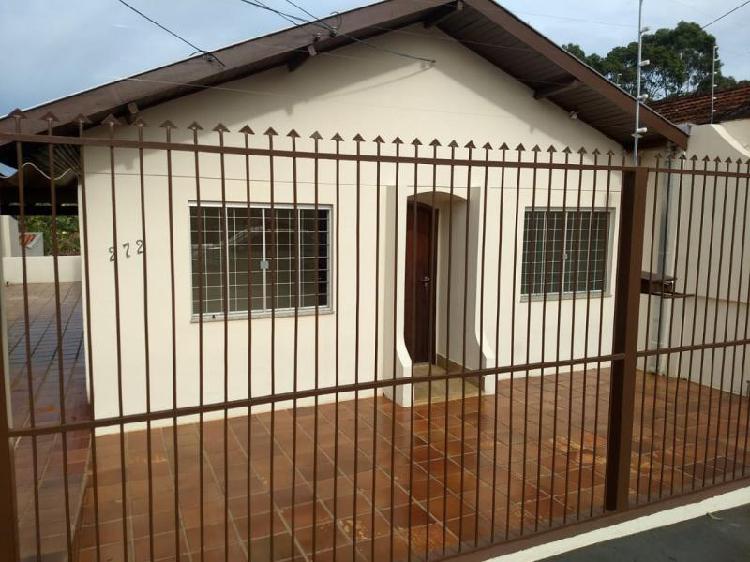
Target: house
column 467, row 71
column 709, row 301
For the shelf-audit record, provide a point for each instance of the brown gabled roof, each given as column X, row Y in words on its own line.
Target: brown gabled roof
column 480, row 25
column 730, row 104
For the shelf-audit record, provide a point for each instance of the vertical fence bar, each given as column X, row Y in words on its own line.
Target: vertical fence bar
column 146, row 352
column 625, row 337
column 194, row 127
column 378, row 142
column 566, row 151
column 9, row 535
column 470, row 146
column 602, row 297
column 503, row 148
column 111, row 122
column 531, row 247
column 397, row 141
column 27, row 331
column 59, row 329
column 82, row 120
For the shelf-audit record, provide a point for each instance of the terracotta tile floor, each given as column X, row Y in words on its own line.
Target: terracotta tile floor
column 45, row 383
column 468, row 479
column 431, row 507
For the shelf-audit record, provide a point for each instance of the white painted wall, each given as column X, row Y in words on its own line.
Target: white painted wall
column 711, row 255
column 40, row 269
column 354, row 90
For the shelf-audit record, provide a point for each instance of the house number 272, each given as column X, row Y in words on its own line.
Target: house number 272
column 127, row 250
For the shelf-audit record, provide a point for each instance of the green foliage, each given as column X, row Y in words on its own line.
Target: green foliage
column 68, row 239
column 680, row 62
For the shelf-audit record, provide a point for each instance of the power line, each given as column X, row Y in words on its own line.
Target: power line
column 296, row 20
column 721, row 17
column 172, row 33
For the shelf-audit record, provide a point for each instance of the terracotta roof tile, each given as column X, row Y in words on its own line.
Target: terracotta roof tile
column 733, row 103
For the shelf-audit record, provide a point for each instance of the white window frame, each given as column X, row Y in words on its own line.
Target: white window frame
column 267, row 312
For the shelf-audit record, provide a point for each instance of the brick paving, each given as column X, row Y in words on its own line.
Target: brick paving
column 470, row 481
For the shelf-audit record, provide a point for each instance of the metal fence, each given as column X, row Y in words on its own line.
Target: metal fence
column 296, row 347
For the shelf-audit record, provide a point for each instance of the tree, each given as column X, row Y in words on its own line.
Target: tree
column 68, row 239
column 680, row 62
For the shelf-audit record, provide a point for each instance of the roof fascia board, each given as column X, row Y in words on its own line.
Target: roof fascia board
column 523, row 32
column 196, row 70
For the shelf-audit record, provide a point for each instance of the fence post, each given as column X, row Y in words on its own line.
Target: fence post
column 8, row 533
column 625, row 337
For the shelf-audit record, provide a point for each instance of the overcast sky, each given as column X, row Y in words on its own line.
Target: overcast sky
column 52, row 48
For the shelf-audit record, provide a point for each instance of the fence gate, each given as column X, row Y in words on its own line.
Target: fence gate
column 233, row 378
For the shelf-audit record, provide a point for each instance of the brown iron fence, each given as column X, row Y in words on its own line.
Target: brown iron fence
column 299, row 347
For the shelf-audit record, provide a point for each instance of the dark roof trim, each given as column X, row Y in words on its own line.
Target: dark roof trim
column 249, row 57
column 582, row 72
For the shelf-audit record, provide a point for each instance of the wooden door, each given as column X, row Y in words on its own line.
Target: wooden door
column 420, row 288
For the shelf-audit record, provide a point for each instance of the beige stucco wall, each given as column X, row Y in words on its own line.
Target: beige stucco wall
column 353, row 90
column 712, row 250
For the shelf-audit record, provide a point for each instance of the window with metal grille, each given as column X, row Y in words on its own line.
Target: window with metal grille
column 271, row 258
column 565, row 251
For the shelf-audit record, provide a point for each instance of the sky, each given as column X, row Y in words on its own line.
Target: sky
column 53, row 48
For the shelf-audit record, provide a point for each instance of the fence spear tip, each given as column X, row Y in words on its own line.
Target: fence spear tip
column 337, row 137
column 610, row 152
column 581, row 151
column 503, row 146
column 470, row 144
column 246, row 130
column 397, row 141
column 316, row 136
column 169, row 125
column 51, row 117
column 416, row 142
column 453, row 144
column 82, row 119
column 487, row 146
column 435, row 143
column 567, row 150
column 139, row 122
column 595, row 152
column 194, row 126
column 293, row 134
column 520, row 147
column 271, row 132
column 378, row 139
column 717, row 159
column 728, row 160
column 551, row 148
column 706, row 158
column 220, row 128
column 17, row 114
column 739, row 161
column 536, row 148
column 358, row 138
column 110, row 120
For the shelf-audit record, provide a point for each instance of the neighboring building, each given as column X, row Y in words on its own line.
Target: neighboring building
column 713, row 214
column 494, row 79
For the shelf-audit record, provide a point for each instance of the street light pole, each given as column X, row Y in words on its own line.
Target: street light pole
column 640, row 63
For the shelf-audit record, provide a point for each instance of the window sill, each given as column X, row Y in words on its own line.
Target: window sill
column 285, row 313
column 579, row 296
